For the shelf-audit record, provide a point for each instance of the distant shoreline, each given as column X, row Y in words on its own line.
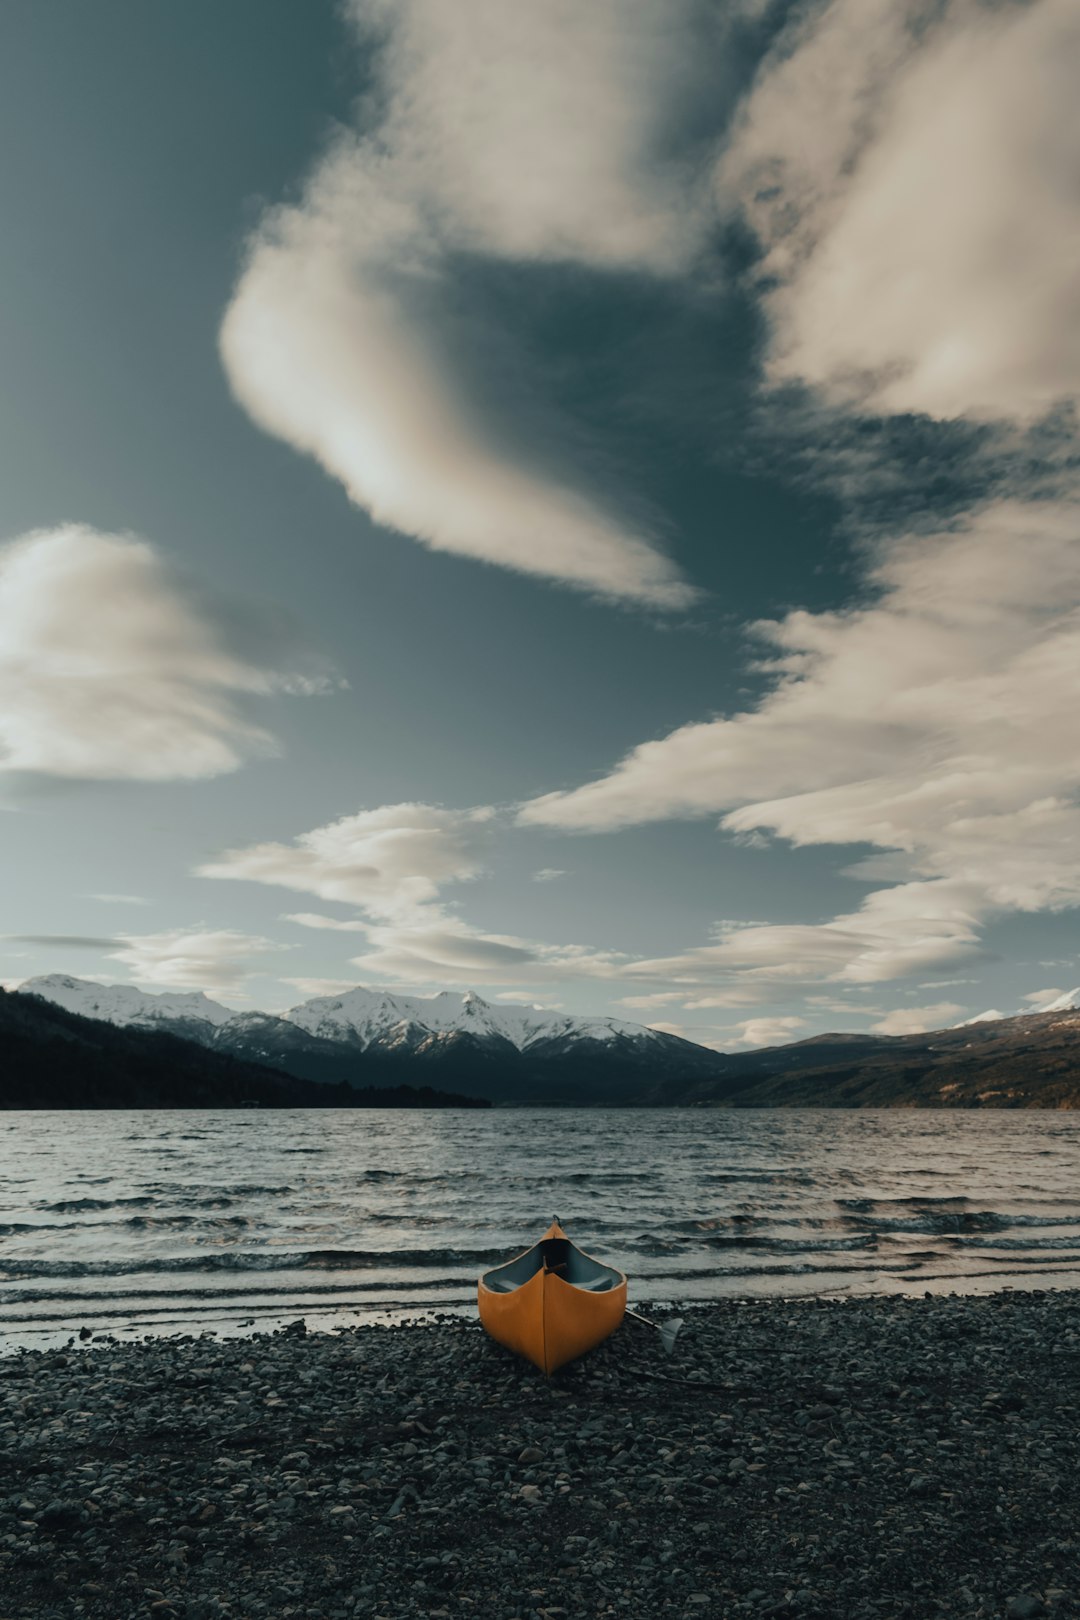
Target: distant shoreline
column 449, row 1103
column 51, row 1055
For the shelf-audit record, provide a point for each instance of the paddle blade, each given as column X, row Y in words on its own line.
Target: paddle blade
column 669, row 1332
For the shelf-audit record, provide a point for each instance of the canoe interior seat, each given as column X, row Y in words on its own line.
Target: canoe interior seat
column 560, row 1256
column 500, row 1285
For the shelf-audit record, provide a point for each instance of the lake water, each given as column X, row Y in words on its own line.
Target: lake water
column 134, row 1223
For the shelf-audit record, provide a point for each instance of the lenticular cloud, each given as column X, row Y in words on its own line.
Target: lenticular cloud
column 522, row 134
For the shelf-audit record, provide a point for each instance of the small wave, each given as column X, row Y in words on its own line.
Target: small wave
column 691, row 1205
column 15, row 1269
column 1039, row 1268
column 863, row 1206
column 779, row 1176
column 67, row 1302
column 744, row 1222
column 1042, row 1245
column 958, row 1223
column 809, row 1245
column 20, row 1228
column 334, row 1292
column 600, row 1178
column 77, row 1206
column 245, row 1189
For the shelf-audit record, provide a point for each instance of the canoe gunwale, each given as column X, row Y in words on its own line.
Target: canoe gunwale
column 617, row 1278
column 545, row 1316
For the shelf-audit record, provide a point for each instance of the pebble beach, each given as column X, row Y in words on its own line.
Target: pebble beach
column 867, row 1458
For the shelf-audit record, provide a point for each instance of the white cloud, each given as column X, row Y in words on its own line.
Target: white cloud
column 524, row 134
column 929, row 720
column 911, row 171
column 393, row 863
column 966, row 655
column 111, row 667
column 119, row 899
column 1040, row 998
column 847, row 1009
column 916, row 1020
column 315, row 919
column 894, row 934
column 388, row 860
column 662, row 998
column 548, row 874
column 911, row 174
column 527, row 998
column 309, row 988
column 217, row 960
column 746, row 994
column 539, row 132
column 769, row 1031
column 434, row 946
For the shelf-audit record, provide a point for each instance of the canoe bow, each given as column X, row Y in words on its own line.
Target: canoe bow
column 553, row 1302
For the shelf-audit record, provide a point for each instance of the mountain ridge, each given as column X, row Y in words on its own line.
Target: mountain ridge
column 520, row 1054
column 364, row 1016
column 1029, row 1060
column 51, row 1058
column 510, row 1052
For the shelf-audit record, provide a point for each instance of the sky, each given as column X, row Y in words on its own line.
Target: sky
column 575, row 503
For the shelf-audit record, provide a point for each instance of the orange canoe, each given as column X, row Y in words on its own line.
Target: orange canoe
column 553, row 1302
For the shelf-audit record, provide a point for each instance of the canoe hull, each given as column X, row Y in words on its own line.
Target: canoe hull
column 550, row 1321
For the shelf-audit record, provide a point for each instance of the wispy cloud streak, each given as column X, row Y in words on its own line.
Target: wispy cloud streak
column 112, row 666
column 522, row 135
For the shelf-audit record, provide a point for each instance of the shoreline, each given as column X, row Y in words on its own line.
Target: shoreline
column 878, row 1456
column 237, row 1322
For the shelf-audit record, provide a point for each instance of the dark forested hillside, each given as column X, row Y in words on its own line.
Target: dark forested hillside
column 1031, row 1061
column 50, row 1058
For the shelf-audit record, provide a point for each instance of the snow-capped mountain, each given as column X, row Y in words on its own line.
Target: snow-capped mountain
column 1069, row 1002
column 1066, row 1003
column 505, row 1051
column 373, row 1017
column 519, row 1054
column 362, row 1018
column 124, row 1004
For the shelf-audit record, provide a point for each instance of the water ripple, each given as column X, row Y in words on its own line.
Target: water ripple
column 137, row 1222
